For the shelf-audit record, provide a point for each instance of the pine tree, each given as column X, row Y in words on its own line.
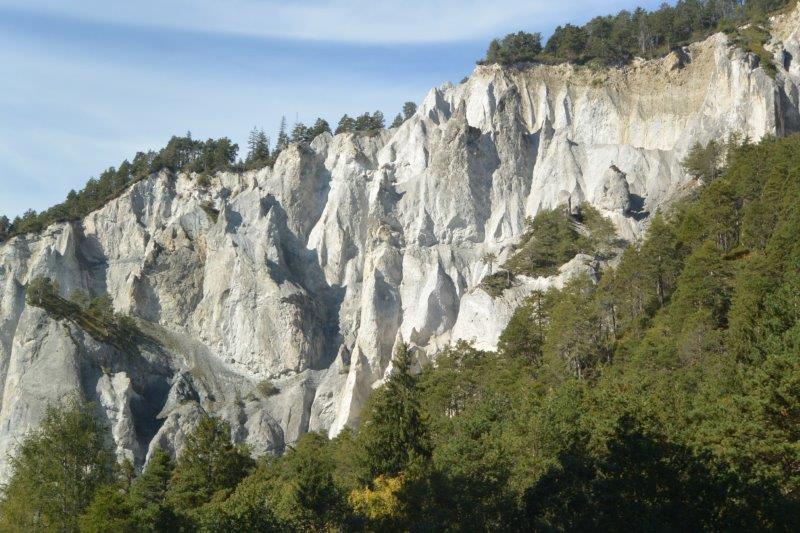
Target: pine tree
column 704, row 162
column 409, row 108
column 524, row 334
column 5, row 227
column 346, row 125
column 210, row 462
column 377, row 121
column 148, row 491
column 494, row 54
column 363, row 122
column 283, row 138
column 301, row 134
column 110, row 510
column 258, row 149
column 398, row 121
column 320, row 126
column 394, row 436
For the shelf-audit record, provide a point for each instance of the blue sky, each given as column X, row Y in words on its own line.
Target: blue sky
column 87, row 83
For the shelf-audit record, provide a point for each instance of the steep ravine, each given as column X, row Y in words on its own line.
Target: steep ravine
column 315, row 269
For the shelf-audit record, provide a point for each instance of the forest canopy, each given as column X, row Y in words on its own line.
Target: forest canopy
column 616, row 39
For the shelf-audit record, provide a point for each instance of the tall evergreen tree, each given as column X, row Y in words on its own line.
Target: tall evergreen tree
column 320, row 126
column 409, row 108
column 5, row 227
column 258, row 149
column 210, row 462
column 346, row 125
column 377, row 121
column 283, row 137
column 301, row 134
column 398, row 121
column 394, row 435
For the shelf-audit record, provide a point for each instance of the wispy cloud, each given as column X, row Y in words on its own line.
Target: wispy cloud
column 370, row 21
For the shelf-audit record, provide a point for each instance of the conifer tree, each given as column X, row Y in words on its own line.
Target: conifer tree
column 210, row 462
column 5, row 227
column 301, row 134
column 346, row 125
column 320, row 126
column 283, row 138
column 377, row 121
column 409, row 108
column 394, row 435
column 258, row 149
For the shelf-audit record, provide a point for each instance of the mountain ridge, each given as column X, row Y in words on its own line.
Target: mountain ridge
column 314, row 270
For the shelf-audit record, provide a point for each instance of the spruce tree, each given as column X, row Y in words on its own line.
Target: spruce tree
column 283, row 137
column 210, row 462
column 409, row 108
column 320, row 126
column 398, row 121
column 148, row 492
column 394, row 436
column 258, row 149
column 377, row 121
column 301, row 134
column 346, row 125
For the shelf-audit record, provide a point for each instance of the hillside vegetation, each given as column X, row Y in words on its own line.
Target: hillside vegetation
column 666, row 397
column 185, row 154
column 616, row 39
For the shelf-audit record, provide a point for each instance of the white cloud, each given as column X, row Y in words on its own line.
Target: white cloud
column 369, row 21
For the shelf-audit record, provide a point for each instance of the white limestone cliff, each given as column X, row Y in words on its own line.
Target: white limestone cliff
column 314, row 270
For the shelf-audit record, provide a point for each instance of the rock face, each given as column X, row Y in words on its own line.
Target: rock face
column 614, row 194
column 314, row 270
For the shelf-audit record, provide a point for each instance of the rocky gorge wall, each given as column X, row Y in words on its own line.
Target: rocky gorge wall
column 308, row 274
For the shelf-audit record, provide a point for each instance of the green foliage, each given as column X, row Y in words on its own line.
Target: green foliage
column 514, row 48
column 301, row 134
column 665, row 397
column 704, row 162
column 109, row 511
column 554, row 237
column 210, row 463
column 398, row 121
column 393, row 435
column 147, row 495
column 495, row 284
column 95, row 316
column 364, row 123
column 180, row 154
column 258, row 155
column 409, row 108
column 616, row 39
column 40, row 290
column 304, row 135
column 550, row 240
column 5, row 227
column 56, row 470
column 524, row 335
column 283, row 139
column 752, row 38
column 346, row 124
